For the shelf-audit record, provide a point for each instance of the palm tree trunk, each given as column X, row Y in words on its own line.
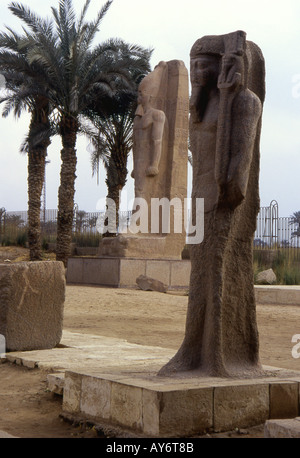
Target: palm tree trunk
column 37, row 152
column 66, row 191
column 36, row 175
column 115, row 181
column 113, row 194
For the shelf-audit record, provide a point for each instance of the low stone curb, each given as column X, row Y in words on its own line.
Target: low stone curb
column 287, row 428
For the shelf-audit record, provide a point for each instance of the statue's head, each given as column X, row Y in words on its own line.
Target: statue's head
column 205, row 57
column 223, row 60
column 150, row 85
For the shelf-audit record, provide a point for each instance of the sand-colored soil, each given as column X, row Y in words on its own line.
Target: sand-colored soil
column 29, row 410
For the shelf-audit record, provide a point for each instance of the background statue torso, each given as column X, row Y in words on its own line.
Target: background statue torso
column 144, row 131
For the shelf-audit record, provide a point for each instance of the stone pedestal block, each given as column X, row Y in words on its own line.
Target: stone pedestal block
column 123, row 272
column 178, row 407
column 32, row 296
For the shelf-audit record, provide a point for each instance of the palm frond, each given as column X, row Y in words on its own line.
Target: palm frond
column 93, row 27
column 82, row 15
column 34, row 139
column 37, row 24
column 100, row 150
column 13, row 42
column 65, row 24
column 16, row 63
column 17, row 105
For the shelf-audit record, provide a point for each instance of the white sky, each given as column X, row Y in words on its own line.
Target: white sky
column 171, row 27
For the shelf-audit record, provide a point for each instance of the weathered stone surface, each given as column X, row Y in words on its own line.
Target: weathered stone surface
column 150, row 284
column 122, row 272
column 289, row 428
column 240, row 406
column 129, row 246
column 169, row 407
column 72, row 392
column 160, row 269
column 4, row 435
column 32, row 296
column 126, row 406
column 56, row 383
column 228, row 90
column 277, row 294
column 95, row 397
column 266, row 277
column 186, row 411
column 284, row 402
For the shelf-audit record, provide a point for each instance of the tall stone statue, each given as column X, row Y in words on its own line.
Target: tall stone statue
column 228, row 89
column 160, row 160
column 148, row 130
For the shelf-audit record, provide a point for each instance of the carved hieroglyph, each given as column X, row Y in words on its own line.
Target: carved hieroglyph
column 228, row 89
column 160, row 155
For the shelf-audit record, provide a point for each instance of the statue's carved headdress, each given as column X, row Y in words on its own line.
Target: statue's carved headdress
column 153, row 85
column 152, row 82
column 235, row 43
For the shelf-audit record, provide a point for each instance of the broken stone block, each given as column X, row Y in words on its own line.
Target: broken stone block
column 151, row 284
column 266, row 277
column 287, row 428
column 56, row 383
column 32, row 296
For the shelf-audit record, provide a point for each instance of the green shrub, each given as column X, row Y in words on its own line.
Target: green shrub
column 21, row 239
column 6, row 241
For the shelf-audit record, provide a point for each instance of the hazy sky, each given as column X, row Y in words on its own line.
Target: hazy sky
column 171, row 27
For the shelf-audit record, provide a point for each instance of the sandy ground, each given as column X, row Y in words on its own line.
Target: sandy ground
column 28, row 409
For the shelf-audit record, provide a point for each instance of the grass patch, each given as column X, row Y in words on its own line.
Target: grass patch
column 286, row 269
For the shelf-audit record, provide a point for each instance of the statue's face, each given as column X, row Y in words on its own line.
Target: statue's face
column 204, row 70
column 143, row 97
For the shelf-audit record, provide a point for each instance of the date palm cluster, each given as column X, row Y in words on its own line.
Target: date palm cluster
column 70, row 86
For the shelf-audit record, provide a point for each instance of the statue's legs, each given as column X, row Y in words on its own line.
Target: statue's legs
column 221, row 337
column 202, row 348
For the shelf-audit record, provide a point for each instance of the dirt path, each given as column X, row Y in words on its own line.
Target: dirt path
column 149, row 318
column 29, row 410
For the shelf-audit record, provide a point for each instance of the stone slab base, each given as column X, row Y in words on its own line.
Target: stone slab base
column 113, row 382
column 4, row 435
column 289, row 428
column 134, row 247
column 168, row 407
column 278, row 294
column 123, row 272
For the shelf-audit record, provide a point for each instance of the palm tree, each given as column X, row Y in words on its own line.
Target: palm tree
column 295, row 220
column 23, row 94
column 113, row 120
column 75, row 75
column 112, row 144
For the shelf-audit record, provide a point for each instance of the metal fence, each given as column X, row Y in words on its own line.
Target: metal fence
column 272, row 232
column 275, row 233
column 86, row 225
column 83, row 221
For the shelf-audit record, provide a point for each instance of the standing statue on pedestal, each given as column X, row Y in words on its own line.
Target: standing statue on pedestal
column 160, row 160
column 228, row 89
